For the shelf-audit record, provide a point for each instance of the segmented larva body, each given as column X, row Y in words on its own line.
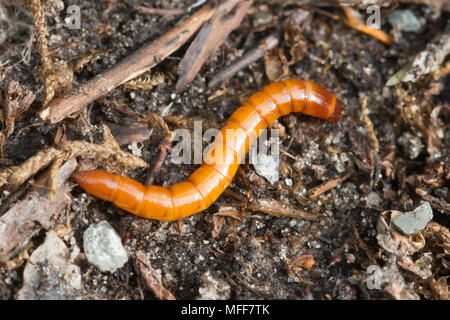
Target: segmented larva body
column 208, row 182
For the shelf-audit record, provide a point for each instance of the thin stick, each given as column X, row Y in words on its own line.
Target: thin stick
column 228, row 17
column 253, row 55
column 281, row 209
column 162, row 12
column 327, row 185
column 154, row 120
column 354, row 21
column 164, row 147
column 369, row 125
column 134, row 65
column 46, row 73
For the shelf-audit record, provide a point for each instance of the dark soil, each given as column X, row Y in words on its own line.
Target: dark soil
column 254, row 256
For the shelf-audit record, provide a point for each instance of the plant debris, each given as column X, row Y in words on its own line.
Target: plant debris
column 17, row 175
column 17, row 100
column 151, row 277
column 136, row 64
column 430, row 59
column 27, row 216
column 280, row 209
column 228, row 17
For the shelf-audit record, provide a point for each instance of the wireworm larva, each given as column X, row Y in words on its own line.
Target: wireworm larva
column 208, row 182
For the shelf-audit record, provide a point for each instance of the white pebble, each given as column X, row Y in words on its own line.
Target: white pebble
column 267, row 166
column 103, row 247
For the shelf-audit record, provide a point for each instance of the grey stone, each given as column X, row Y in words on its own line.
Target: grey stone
column 405, row 20
column 267, row 166
column 103, row 247
column 412, row 222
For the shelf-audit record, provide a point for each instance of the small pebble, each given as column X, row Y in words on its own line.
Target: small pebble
column 412, row 222
column 103, row 247
column 373, row 200
column 267, row 166
column 405, row 20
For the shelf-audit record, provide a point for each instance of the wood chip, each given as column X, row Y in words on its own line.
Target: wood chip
column 327, row 185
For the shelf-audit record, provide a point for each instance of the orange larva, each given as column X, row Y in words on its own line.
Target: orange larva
column 208, row 182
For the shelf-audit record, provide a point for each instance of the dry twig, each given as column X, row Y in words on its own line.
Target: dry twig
column 280, row 209
column 354, row 21
column 369, row 124
column 134, row 65
column 253, row 55
column 210, row 37
column 155, row 121
column 327, row 185
column 163, row 12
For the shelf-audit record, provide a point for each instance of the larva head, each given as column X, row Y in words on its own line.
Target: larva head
column 321, row 103
column 311, row 99
column 99, row 183
column 337, row 111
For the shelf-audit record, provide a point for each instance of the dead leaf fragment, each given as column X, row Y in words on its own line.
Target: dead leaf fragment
column 152, row 278
column 35, row 211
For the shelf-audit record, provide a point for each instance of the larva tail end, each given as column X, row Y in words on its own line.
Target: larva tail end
column 99, row 183
column 337, row 112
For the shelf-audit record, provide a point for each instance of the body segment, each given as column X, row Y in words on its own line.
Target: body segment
column 220, row 164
